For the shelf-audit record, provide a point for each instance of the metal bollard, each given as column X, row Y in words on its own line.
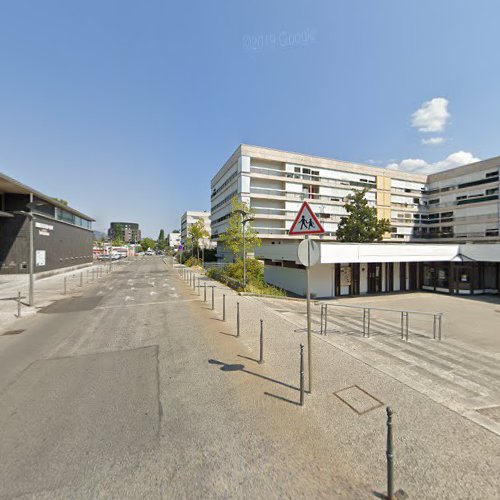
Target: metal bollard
column 237, row 319
column 93, row 274
column 199, row 286
column 390, row 456
column 321, row 320
column 326, row 317
column 65, row 285
column 261, row 355
column 366, row 322
column 194, row 281
column 301, row 374
column 81, row 279
column 213, row 300
column 204, row 292
column 18, row 304
column 223, row 307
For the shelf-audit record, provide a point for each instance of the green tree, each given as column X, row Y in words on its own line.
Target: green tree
column 161, row 244
column 117, row 235
column 233, row 236
column 197, row 232
column 361, row 225
column 60, row 200
column 147, row 243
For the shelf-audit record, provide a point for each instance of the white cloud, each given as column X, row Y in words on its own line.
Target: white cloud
column 433, row 140
column 420, row 166
column 432, row 115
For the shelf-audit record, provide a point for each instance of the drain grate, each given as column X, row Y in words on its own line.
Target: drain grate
column 13, row 332
column 358, row 399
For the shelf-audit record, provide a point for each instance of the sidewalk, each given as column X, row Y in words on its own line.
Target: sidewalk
column 438, row 453
column 46, row 291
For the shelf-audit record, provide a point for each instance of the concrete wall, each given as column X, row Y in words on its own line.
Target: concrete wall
column 290, row 279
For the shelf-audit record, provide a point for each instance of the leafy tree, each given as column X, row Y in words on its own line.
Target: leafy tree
column 60, row 200
column 361, row 225
column 233, row 236
column 196, row 232
column 147, row 243
column 118, row 235
column 161, row 236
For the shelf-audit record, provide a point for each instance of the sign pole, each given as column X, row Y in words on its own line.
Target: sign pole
column 308, row 295
column 308, row 254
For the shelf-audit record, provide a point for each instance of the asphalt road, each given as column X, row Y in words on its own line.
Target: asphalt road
column 121, row 391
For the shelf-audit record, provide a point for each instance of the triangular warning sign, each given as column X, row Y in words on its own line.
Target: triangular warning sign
column 306, row 222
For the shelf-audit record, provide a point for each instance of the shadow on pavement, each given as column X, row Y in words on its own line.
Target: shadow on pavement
column 238, row 367
column 281, row 398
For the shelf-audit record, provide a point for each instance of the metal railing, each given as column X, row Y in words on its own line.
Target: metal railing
column 404, row 319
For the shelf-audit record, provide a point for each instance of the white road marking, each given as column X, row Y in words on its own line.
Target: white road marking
column 153, row 293
column 100, row 292
column 129, row 298
column 147, row 304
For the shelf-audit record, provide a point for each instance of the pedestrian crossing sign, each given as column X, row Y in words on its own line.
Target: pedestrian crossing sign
column 306, row 222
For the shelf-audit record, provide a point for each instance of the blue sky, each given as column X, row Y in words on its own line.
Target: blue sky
column 127, row 108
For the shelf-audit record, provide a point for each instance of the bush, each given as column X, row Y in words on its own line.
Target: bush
column 232, row 275
column 192, row 262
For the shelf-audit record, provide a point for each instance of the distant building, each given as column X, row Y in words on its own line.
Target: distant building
column 130, row 231
column 174, row 239
column 60, row 236
column 192, row 217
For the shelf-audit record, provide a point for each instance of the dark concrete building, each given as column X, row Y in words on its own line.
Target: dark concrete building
column 59, row 235
column 130, row 231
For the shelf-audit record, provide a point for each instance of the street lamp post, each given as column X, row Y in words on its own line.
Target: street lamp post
column 31, row 259
column 246, row 217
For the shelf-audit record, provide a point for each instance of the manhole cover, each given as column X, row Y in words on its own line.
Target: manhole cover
column 358, row 399
column 13, row 332
column 493, row 412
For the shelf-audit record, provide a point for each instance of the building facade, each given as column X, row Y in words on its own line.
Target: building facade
column 346, row 269
column 275, row 183
column 455, row 207
column 130, row 231
column 174, row 239
column 192, row 217
column 460, row 204
column 60, row 236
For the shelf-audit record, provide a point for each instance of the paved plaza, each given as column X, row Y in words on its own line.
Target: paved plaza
column 461, row 372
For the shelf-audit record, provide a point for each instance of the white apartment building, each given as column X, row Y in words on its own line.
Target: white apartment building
column 192, row 217
column 173, row 239
column 460, row 205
